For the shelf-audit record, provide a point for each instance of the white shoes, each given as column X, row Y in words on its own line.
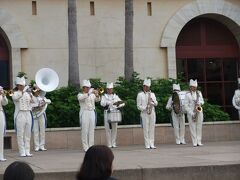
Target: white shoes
column 26, row 155
column 147, row 147
column 2, row 160
column 40, row 149
column 150, row 147
column 43, row 149
column 153, row 147
column 200, row 144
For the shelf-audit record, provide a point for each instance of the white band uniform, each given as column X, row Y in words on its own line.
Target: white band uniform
column 3, row 102
column 112, row 116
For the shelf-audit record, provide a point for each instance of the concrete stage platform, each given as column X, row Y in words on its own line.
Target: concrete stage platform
column 213, row 161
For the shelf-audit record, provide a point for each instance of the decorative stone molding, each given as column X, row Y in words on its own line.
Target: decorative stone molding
column 220, row 10
column 12, row 30
column 16, row 40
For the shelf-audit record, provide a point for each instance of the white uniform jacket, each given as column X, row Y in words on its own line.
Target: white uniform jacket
column 39, row 102
column 87, row 102
column 236, row 98
column 190, row 100
column 142, row 101
column 108, row 100
column 3, row 102
column 22, row 101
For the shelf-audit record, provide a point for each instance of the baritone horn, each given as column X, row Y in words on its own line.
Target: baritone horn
column 47, row 79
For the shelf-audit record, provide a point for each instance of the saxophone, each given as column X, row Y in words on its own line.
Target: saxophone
column 197, row 108
column 149, row 104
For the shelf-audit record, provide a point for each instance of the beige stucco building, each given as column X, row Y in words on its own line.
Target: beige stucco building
column 34, row 35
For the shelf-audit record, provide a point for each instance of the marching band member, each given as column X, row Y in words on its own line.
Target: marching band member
column 39, row 107
column 87, row 115
column 178, row 117
column 22, row 116
column 146, row 100
column 236, row 98
column 3, row 102
column 193, row 103
column 110, row 103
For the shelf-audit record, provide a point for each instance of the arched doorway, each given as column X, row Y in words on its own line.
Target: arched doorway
column 4, row 63
column 207, row 50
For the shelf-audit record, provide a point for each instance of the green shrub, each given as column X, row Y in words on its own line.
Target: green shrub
column 64, row 109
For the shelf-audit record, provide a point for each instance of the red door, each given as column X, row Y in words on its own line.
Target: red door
column 207, row 50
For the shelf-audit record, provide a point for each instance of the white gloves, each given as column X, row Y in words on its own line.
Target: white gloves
column 90, row 91
column 25, row 88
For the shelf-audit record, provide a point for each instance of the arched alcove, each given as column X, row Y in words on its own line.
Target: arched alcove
column 15, row 39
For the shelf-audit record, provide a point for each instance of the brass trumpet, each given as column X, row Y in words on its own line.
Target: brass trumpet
column 100, row 90
column 8, row 92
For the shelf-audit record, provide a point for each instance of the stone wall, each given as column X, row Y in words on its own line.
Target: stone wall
column 70, row 138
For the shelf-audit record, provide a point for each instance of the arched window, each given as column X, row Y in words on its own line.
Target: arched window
column 4, row 63
column 207, row 50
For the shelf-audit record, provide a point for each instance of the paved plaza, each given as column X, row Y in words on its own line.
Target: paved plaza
column 130, row 160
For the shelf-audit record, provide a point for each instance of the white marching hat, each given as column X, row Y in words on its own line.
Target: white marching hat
column 193, row 83
column 86, row 83
column 147, row 82
column 109, row 85
column 20, row 81
column 176, row 87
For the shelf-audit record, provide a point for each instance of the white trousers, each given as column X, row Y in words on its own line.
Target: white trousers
column 179, row 127
column 148, row 122
column 24, row 124
column 39, row 132
column 196, row 128
column 88, row 126
column 2, row 126
column 111, row 134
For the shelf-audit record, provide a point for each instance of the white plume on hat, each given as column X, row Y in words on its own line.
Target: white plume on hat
column 20, row 81
column 238, row 80
column 109, row 85
column 147, row 82
column 1, row 88
column 176, row 87
column 86, row 83
column 193, row 83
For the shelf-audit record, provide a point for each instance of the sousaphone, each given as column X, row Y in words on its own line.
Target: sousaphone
column 47, row 79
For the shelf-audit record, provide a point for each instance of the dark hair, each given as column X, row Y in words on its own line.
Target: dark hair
column 18, row 170
column 97, row 163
